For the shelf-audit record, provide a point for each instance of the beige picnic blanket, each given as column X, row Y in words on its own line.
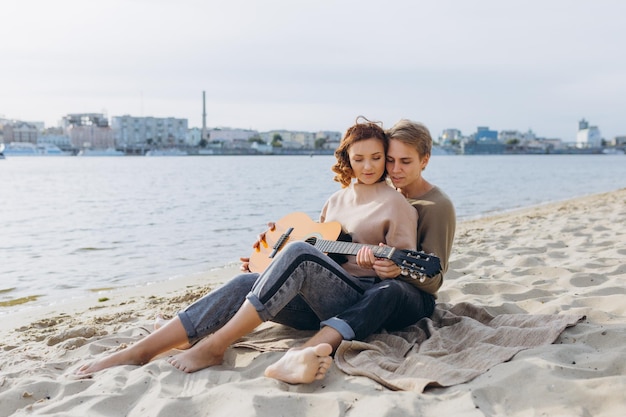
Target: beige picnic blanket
column 456, row 344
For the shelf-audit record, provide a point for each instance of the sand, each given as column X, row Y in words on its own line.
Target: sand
column 565, row 258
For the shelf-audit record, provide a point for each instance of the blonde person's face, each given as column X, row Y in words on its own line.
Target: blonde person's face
column 404, row 165
column 367, row 159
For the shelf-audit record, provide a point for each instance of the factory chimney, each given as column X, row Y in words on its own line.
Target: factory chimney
column 203, row 116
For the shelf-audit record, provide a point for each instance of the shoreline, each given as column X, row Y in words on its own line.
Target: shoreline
column 170, row 288
column 556, row 258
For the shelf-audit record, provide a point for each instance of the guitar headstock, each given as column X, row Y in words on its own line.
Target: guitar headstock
column 417, row 265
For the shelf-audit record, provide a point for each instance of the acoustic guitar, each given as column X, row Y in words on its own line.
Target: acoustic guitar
column 300, row 227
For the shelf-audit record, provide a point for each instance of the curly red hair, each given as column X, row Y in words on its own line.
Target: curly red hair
column 361, row 130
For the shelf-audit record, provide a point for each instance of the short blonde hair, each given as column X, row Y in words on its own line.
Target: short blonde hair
column 413, row 134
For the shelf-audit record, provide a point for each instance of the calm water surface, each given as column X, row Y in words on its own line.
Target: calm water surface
column 71, row 226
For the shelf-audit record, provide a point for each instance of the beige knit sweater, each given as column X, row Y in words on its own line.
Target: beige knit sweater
column 372, row 214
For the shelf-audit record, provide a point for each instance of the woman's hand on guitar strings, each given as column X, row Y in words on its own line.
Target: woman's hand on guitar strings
column 260, row 240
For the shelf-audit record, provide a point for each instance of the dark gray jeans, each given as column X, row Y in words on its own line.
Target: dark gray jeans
column 305, row 289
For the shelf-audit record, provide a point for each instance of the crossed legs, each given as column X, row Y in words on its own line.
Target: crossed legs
column 299, row 365
column 210, row 351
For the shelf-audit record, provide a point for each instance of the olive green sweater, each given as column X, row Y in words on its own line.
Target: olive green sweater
column 435, row 231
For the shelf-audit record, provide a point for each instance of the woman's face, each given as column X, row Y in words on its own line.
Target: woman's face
column 404, row 165
column 367, row 159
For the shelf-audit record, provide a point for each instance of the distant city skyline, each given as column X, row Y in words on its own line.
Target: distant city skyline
column 311, row 66
column 435, row 135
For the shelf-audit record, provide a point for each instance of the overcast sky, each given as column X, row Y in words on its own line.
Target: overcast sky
column 316, row 65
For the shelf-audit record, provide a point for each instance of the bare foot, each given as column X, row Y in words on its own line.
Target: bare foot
column 123, row 357
column 198, row 357
column 302, row 365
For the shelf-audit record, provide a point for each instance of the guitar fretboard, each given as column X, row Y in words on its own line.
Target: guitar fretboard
column 349, row 248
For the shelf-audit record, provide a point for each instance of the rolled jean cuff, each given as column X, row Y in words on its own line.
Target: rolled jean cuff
column 259, row 307
column 188, row 325
column 341, row 326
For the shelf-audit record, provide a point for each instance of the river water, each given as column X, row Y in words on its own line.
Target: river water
column 72, row 225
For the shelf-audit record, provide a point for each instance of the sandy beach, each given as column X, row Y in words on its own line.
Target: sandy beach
column 565, row 258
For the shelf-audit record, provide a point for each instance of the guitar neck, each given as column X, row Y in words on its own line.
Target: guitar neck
column 350, row 248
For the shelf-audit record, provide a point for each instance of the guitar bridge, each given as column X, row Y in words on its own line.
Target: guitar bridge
column 280, row 242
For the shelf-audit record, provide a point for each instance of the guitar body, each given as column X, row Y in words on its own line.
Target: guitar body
column 303, row 229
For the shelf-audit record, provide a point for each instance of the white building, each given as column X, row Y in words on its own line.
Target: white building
column 132, row 132
column 332, row 139
column 19, row 131
column 231, row 137
column 194, row 136
column 88, row 130
column 450, row 136
column 507, row 136
column 588, row 136
column 290, row 140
